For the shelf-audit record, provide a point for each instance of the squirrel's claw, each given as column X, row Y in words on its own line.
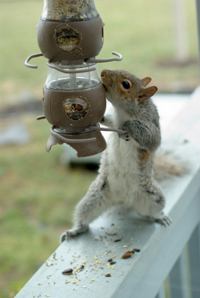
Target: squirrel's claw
column 73, row 232
column 164, row 220
column 124, row 136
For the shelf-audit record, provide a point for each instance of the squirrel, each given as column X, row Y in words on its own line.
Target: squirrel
column 126, row 174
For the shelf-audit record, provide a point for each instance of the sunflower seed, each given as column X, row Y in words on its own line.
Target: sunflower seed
column 68, row 271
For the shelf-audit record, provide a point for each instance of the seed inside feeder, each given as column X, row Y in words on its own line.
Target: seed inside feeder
column 67, row 39
column 72, row 11
column 75, row 108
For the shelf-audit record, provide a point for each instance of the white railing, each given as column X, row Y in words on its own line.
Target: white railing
column 168, row 264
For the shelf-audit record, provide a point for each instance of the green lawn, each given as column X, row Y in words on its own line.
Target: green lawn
column 38, row 194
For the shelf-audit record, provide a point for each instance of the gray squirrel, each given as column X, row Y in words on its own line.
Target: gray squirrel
column 126, row 174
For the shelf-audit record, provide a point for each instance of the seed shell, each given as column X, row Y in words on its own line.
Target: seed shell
column 112, row 263
column 136, row 249
column 118, row 239
column 127, row 254
column 112, row 233
column 108, row 274
column 68, row 271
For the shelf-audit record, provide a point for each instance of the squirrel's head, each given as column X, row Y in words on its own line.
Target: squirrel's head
column 123, row 88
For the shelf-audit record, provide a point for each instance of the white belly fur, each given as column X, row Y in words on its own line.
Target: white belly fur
column 123, row 170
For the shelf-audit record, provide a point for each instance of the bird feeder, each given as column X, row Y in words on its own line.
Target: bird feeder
column 70, row 36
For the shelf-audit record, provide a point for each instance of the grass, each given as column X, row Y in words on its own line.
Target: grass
column 38, row 194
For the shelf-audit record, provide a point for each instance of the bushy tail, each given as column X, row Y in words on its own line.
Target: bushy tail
column 165, row 166
column 169, row 163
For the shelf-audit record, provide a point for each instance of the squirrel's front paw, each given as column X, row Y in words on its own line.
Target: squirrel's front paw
column 123, row 135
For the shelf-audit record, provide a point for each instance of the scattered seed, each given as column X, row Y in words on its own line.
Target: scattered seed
column 127, row 254
column 49, row 263
column 112, row 233
column 118, row 239
column 82, row 267
column 108, row 274
column 68, row 271
column 110, row 260
column 136, row 249
column 112, row 263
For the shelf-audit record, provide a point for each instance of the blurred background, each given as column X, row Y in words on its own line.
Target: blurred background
column 38, row 193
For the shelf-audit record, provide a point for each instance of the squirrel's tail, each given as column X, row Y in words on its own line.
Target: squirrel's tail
column 168, row 164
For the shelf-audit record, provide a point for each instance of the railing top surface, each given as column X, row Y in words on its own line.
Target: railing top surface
column 94, row 248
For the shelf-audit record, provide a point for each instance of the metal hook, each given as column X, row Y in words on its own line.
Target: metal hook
column 51, row 65
column 29, row 58
column 93, row 60
column 108, row 129
column 66, row 140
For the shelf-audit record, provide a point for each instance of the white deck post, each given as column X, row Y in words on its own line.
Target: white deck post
column 161, row 293
column 178, row 281
column 194, row 261
column 198, row 21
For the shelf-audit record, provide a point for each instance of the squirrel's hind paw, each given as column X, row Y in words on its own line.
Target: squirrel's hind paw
column 73, row 232
column 164, row 220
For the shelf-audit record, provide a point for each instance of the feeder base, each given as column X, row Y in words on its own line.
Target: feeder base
column 86, row 144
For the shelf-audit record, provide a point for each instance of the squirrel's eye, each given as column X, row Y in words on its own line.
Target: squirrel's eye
column 126, row 85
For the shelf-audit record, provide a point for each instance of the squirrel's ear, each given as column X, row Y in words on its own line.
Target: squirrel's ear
column 146, row 80
column 146, row 93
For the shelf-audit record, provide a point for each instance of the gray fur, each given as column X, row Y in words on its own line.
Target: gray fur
column 126, row 169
